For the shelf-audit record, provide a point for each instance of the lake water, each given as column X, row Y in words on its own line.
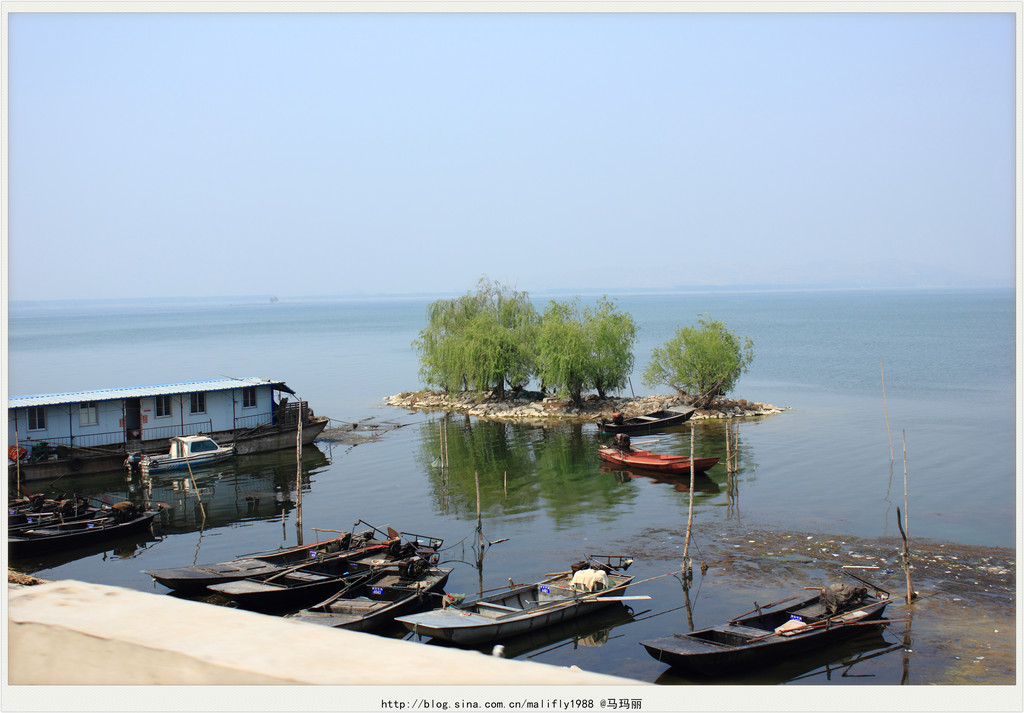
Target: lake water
column 823, row 466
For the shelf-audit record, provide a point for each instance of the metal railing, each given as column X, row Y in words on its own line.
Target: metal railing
column 165, row 432
column 113, row 438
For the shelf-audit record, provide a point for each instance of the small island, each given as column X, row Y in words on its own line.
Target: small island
column 535, row 407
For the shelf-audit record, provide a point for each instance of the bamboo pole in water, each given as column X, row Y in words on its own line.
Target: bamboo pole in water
column 905, row 533
column 298, row 474
column 687, row 564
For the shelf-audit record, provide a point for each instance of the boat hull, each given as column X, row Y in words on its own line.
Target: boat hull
column 362, row 612
column 519, row 611
column 730, row 649
column 199, row 577
column 645, row 460
column 29, row 543
column 649, row 423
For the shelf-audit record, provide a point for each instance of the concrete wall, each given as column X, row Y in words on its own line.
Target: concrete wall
column 69, row 632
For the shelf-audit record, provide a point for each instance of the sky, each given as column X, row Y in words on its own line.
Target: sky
column 299, row 155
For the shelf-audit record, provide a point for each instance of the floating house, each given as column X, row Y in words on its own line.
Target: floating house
column 92, row 431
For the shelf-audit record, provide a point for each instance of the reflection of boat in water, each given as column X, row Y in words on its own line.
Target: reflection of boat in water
column 702, row 482
column 590, row 630
column 247, row 488
column 124, row 546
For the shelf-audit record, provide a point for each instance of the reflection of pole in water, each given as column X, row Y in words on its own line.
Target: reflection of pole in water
column 687, row 564
column 689, row 606
column 298, row 474
column 732, row 457
column 905, row 679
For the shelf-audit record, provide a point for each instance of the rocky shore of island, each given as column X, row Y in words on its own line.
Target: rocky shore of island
column 534, row 407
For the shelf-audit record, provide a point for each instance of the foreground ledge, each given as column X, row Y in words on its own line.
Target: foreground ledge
column 74, row 633
column 535, row 408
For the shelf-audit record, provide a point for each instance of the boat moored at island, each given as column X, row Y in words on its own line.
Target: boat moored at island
column 647, row 423
column 623, row 454
column 93, row 431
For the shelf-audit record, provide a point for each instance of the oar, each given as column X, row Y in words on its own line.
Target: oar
column 831, row 625
column 630, row 598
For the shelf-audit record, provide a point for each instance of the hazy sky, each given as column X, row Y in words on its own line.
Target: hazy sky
column 167, row 154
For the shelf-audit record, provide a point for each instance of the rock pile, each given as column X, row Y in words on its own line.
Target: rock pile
column 530, row 407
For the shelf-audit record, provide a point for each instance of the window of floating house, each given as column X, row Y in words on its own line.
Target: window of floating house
column 36, row 418
column 198, row 403
column 88, row 413
column 249, row 397
column 163, row 406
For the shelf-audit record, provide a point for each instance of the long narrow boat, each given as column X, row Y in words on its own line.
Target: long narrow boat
column 373, row 602
column 302, row 585
column 521, row 609
column 773, row 633
column 43, row 513
column 196, row 578
column 78, row 533
column 647, row 423
column 646, row 460
column 306, row 584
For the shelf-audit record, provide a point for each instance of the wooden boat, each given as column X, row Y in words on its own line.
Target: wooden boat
column 373, row 601
column 198, row 577
column 302, row 585
column 647, row 423
column 40, row 512
column 771, row 633
column 306, row 584
column 126, row 520
column 186, row 452
column 646, row 460
column 521, row 609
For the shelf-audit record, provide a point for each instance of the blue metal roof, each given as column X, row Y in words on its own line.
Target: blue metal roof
column 135, row 392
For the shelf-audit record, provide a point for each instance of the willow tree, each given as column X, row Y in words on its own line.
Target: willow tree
column 700, row 363
column 480, row 341
column 612, row 335
column 584, row 349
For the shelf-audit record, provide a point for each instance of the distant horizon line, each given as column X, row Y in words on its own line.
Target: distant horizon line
column 584, row 292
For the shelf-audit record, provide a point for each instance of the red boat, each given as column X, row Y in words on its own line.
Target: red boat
column 653, row 461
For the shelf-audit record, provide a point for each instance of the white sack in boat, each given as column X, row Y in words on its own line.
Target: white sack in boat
column 590, row 580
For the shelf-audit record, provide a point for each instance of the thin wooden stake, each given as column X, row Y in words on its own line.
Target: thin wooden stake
column 298, row 474
column 687, row 564
column 905, row 533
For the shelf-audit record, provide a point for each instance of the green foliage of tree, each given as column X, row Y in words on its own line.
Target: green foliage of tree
column 480, row 341
column 700, row 362
column 584, row 349
column 612, row 335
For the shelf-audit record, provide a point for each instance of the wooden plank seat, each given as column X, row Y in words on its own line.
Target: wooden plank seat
column 502, row 607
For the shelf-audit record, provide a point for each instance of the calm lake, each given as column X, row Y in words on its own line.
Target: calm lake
column 823, row 466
